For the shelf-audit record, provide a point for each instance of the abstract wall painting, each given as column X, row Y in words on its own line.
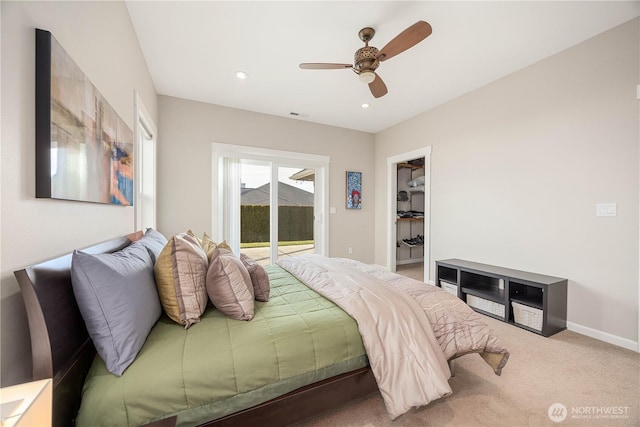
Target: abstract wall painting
column 84, row 150
column 354, row 190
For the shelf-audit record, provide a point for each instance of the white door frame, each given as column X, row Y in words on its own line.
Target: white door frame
column 222, row 226
column 392, row 205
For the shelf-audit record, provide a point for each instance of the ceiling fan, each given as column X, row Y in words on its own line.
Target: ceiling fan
column 367, row 59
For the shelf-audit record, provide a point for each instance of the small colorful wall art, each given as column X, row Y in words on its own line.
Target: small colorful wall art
column 354, row 190
column 84, row 150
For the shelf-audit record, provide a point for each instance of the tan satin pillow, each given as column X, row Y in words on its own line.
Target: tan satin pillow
column 180, row 273
column 208, row 245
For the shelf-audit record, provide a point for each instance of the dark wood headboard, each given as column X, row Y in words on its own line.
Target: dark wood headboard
column 60, row 345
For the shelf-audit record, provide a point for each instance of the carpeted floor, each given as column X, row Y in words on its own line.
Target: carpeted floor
column 414, row 270
column 598, row 384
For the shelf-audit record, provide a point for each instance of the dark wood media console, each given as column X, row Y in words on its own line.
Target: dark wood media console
column 532, row 301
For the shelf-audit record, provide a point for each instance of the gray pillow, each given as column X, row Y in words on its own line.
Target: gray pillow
column 117, row 298
column 154, row 241
column 259, row 278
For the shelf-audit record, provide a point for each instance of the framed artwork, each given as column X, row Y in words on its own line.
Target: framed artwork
column 84, row 150
column 354, row 190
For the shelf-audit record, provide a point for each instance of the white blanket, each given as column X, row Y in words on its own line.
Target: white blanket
column 458, row 329
column 405, row 357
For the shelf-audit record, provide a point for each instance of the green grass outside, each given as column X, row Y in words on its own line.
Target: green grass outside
column 266, row 244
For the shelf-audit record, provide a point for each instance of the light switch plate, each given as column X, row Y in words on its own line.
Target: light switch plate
column 606, row 209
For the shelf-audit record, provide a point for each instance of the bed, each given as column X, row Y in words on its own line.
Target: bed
column 268, row 384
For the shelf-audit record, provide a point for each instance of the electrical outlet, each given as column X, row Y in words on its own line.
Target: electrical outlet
column 350, row 251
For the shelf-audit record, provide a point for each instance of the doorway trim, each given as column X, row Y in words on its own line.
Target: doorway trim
column 223, row 224
column 392, row 206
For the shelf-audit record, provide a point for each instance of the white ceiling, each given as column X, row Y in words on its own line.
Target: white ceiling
column 193, row 50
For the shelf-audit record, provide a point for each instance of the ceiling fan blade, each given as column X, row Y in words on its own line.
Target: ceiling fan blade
column 377, row 87
column 405, row 40
column 323, row 66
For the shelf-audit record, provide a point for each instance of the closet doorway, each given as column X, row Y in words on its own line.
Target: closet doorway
column 408, row 233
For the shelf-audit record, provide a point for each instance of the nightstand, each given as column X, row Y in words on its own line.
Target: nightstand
column 27, row 404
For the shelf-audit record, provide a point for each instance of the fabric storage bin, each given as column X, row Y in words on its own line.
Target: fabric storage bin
column 449, row 287
column 527, row 316
column 485, row 305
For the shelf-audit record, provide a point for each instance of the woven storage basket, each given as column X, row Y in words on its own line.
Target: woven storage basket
column 527, row 316
column 449, row 287
column 486, row 305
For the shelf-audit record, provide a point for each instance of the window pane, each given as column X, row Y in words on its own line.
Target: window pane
column 147, row 186
column 255, row 230
column 295, row 211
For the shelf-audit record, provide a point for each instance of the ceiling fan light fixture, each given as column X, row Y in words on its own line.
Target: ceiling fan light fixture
column 367, row 59
column 367, row 76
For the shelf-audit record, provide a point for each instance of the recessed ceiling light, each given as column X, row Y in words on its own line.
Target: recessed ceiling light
column 241, row 75
column 365, row 106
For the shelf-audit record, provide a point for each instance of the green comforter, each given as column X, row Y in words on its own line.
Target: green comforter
column 220, row 366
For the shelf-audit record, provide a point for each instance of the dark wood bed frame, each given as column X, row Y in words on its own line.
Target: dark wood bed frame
column 62, row 350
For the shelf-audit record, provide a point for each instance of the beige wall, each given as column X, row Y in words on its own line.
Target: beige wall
column 100, row 38
column 519, row 165
column 187, row 130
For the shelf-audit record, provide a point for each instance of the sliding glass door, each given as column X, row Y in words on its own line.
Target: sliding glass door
column 269, row 204
column 295, row 211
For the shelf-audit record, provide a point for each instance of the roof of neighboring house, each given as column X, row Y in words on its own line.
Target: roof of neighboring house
column 304, row 175
column 288, row 195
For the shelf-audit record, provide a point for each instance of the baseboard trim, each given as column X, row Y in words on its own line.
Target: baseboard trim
column 604, row 336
